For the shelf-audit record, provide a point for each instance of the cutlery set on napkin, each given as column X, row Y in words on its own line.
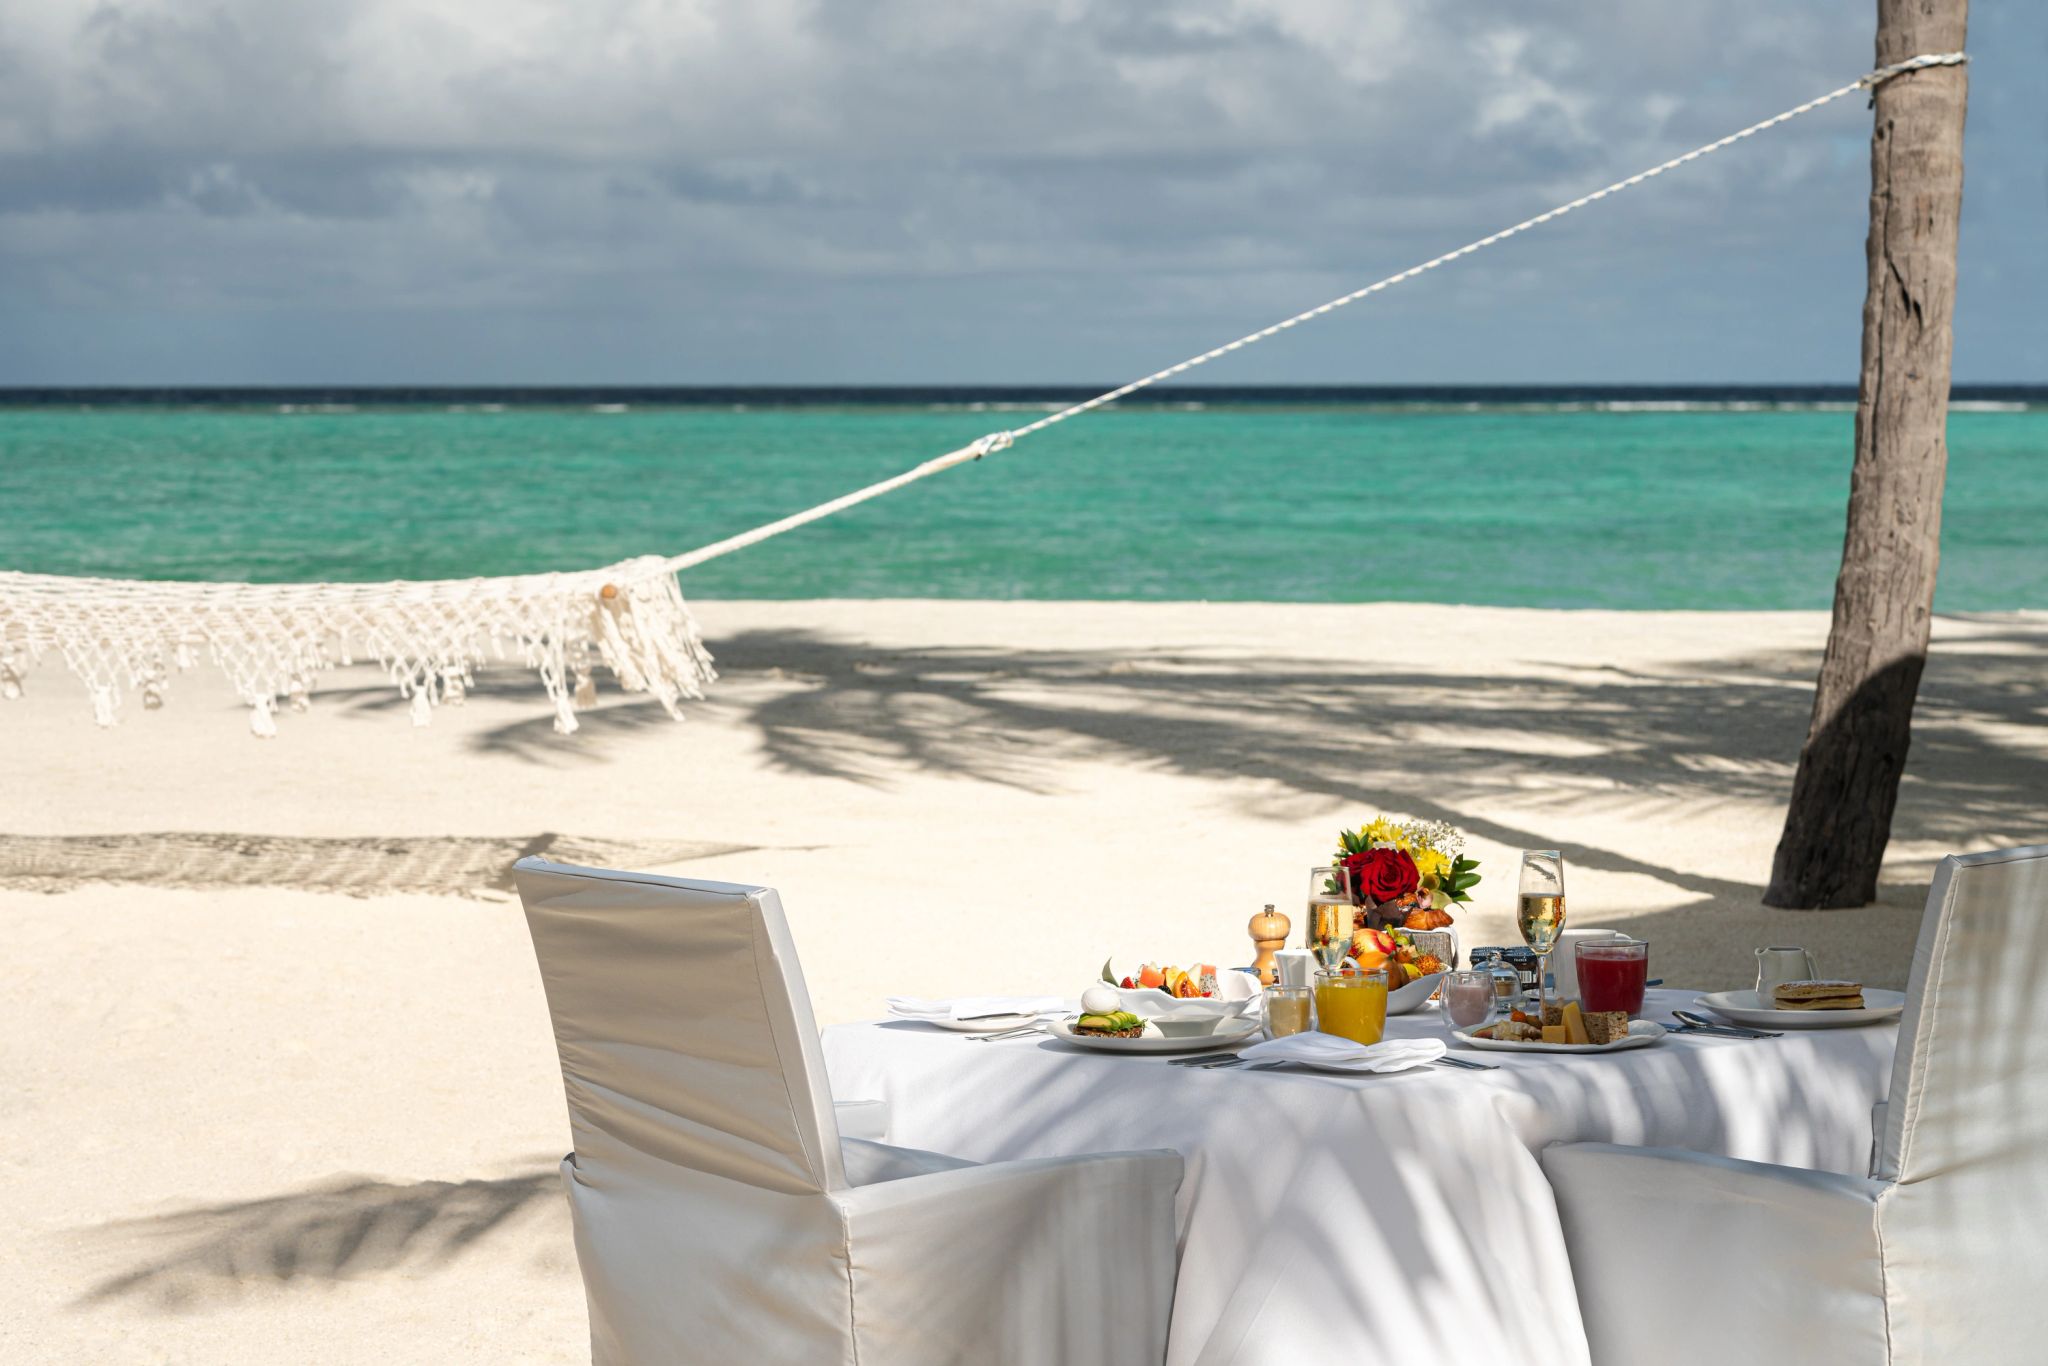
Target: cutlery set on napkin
column 974, row 1007
column 1689, row 1023
column 1328, row 1053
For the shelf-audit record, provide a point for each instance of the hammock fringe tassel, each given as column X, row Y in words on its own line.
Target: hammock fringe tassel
column 273, row 641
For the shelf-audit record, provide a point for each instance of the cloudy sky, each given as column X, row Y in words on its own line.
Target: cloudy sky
column 824, row 191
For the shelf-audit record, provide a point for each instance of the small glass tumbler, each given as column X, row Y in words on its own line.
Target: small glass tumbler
column 1288, row 1011
column 1467, row 997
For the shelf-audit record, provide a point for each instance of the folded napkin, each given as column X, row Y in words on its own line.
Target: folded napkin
column 1316, row 1049
column 975, row 1007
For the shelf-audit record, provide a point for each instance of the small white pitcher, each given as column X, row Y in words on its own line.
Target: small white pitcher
column 1777, row 966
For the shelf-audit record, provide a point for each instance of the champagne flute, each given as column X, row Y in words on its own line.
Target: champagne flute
column 1329, row 914
column 1539, row 913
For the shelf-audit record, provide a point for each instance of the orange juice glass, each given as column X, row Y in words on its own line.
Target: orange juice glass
column 1352, row 1004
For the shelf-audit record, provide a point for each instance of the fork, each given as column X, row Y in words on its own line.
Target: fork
column 1016, row 1033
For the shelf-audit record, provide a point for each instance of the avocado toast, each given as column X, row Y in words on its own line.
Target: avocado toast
column 1118, row 1024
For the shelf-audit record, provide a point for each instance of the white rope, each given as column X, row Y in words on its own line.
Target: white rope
column 997, row 441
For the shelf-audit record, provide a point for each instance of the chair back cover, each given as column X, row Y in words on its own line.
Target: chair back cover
column 1966, row 1127
column 684, row 1027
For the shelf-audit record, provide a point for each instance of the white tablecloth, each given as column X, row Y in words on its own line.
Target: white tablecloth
column 1369, row 1219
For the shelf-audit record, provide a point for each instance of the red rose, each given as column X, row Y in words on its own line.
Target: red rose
column 1381, row 875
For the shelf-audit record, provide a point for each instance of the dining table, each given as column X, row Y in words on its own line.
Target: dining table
column 1384, row 1217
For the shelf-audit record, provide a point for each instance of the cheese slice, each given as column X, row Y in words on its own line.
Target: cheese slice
column 1575, row 1024
column 1554, row 1034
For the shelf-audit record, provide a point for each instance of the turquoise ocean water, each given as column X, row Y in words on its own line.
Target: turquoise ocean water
column 1702, row 504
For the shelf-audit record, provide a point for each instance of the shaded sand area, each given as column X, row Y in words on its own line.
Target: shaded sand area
column 291, row 1096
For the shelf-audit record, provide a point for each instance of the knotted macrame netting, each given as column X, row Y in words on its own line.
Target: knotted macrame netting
column 125, row 637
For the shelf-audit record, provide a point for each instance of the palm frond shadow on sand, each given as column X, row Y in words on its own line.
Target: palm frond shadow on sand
column 334, row 1231
column 1712, row 732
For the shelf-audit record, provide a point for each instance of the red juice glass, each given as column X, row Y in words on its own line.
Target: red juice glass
column 1612, row 975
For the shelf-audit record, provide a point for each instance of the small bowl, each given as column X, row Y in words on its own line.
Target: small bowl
column 1190, row 1026
column 1411, row 997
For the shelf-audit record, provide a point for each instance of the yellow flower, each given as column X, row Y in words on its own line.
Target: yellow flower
column 1384, row 832
column 1433, row 864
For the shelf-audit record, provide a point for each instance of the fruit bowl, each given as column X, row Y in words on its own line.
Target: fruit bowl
column 1411, row 997
column 1235, row 993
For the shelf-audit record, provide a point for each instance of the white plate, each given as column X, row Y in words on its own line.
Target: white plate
column 988, row 1024
column 1152, row 1041
column 1641, row 1034
column 1746, row 1007
column 1404, row 999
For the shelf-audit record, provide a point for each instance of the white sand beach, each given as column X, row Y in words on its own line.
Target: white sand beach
column 293, row 1097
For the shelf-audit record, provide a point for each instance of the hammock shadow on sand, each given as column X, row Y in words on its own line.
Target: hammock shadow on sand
column 1717, row 731
column 334, row 1231
column 357, row 866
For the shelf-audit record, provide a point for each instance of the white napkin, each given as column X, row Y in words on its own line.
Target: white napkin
column 975, row 1007
column 1317, row 1049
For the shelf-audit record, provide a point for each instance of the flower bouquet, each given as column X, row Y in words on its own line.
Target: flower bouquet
column 1406, row 876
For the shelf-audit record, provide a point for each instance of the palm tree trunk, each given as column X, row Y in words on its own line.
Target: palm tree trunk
column 1843, row 795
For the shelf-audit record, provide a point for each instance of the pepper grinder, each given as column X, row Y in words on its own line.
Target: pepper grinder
column 1269, row 932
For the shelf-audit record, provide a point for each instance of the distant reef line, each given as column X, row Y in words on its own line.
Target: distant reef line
column 317, row 397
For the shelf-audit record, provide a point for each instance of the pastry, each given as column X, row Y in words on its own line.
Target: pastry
column 1818, row 996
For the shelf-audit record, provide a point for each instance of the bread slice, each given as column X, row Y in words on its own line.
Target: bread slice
column 1832, row 1003
column 1553, row 1014
column 1607, row 1026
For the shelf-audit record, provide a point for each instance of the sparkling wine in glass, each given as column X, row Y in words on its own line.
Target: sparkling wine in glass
column 1539, row 913
column 1329, row 914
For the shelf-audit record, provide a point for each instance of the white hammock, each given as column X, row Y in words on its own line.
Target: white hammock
column 273, row 640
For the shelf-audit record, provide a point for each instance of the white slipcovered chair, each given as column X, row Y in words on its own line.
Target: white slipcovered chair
column 1684, row 1258
column 721, row 1217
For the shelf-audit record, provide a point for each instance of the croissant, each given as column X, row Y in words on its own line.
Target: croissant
column 1426, row 918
